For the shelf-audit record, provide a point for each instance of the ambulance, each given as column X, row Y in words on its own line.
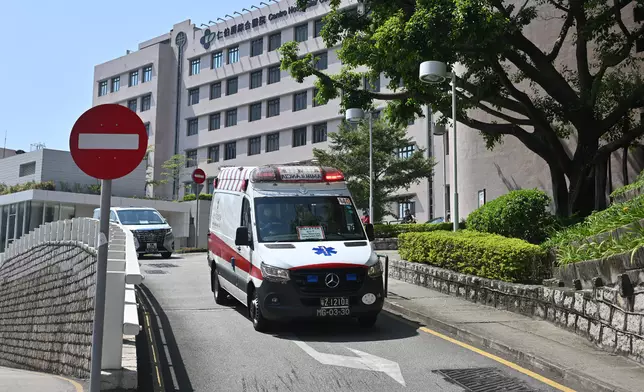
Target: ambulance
column 288, row 243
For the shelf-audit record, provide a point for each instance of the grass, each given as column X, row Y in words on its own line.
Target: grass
column 639, row 183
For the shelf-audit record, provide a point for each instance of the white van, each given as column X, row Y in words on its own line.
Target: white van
column 152, row 233
column 287, row 242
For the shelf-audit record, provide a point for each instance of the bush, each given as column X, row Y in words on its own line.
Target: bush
column 202, row 196
column 518, row 214
column 486, row 255
column 8, row 189
column 392, row 231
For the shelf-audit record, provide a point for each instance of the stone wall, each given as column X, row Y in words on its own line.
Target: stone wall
column 385, row 244
column 47, row 308
column 611, row 317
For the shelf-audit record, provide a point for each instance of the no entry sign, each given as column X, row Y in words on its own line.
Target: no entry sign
column 199, row 176
column 108, row 141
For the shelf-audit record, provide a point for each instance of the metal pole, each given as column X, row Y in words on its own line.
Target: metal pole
column 454, row 159
column 386, row 275
column 371, row 168
column 99, row 296
column 198, row 186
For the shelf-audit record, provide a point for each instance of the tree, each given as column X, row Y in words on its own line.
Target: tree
column 522, row 87
column 172, row 169
column 349, row 151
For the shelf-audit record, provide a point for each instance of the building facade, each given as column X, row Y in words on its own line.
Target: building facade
column 216, row 94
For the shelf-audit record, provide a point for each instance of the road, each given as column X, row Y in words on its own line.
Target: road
column 207, row 347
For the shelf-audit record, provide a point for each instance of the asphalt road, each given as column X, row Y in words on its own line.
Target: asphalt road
column 207, row 347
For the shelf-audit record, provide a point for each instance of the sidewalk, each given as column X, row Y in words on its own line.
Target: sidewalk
column 12, row 380
column 535, row 342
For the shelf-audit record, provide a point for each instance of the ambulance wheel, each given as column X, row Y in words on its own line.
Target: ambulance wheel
column 219, row 292
column 166, row 255
column 367, row 321
column 259, row 322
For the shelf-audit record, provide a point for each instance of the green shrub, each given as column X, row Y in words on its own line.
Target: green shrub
column 205, row 196
column 192, row 197
column 8, row 189
column 639, row 183
column 518, row 214
column 392, row 231
column 486, row 255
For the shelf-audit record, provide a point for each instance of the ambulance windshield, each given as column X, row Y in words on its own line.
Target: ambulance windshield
column 307, row 218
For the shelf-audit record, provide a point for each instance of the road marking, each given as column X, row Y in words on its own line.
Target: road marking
column 500, row 360
column 77, row 386
column 108, row 141
column 154, row 355
column 363, row 361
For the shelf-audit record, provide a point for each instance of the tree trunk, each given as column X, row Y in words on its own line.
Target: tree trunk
column 610, row 175
column 600, row 185
column 625, row 165
column 559, row 192
column 583, row 202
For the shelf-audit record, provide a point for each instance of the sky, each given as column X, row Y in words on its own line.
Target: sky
column 50, row 48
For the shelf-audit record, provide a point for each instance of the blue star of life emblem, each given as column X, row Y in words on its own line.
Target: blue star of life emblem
column 323, row 250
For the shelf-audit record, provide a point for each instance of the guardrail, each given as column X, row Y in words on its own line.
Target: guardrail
column 123, row 274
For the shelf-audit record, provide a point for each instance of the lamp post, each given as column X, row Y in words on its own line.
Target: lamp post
column 354, row 115
column 433, row 72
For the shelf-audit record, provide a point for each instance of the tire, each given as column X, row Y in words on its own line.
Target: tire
column 255, row 313
column 139, row 256
column 220, row 294
column 166, row 255
column 368, row 321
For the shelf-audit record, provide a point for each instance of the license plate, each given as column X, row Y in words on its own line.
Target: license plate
column 331, row 302
column 333, row 312
column 152, row 246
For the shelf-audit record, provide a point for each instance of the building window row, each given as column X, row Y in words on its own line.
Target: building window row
column 113, row 84
column 146, row 103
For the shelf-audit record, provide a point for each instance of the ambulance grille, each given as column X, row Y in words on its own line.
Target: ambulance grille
column 312, row 280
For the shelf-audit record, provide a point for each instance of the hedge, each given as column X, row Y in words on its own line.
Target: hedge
column 192, row 197
column 392, row 231
column 481, row 254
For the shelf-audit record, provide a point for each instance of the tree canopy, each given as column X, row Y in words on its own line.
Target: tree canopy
column 349, row 151
column 527, row 91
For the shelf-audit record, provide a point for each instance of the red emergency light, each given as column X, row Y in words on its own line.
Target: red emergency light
column 297, row 174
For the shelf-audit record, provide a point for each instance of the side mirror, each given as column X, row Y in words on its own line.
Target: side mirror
column 371, row 234
column 241, row 237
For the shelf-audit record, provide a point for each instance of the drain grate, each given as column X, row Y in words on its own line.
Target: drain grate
column 162, row 265
column 485, row 380
column 155, row 272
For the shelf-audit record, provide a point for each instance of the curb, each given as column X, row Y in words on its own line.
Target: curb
column 537, row 362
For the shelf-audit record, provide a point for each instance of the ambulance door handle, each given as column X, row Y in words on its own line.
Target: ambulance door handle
column 232, row 262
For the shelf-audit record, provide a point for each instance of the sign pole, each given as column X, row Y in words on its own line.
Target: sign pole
column 198, row 176
column 197, row 218
column 101, row 278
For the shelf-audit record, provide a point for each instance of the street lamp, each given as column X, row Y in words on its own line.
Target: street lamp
column 433, row 72
column 353, row 115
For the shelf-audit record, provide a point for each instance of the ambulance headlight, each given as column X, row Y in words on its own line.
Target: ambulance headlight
column 375, row 271
column 274, row 274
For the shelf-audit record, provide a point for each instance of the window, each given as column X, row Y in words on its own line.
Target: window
column 274, row 41
column 193, row 96
column 193, row 126
column 217, row 60
column 27, row 169
column 134, row 78
column 273, row 107
column 299, row 101
column 214, row 121
column 147, row 128
column 372, row 84
column 102, row 88
column 254, row 145
column 116, row 84
column 404, row 206
column 146, row 102
column 255, row 111
column 215, row 90
column 322, row 61
column 233, row 55
column 317, row 27
column 256, row 79
column 210, row 185
column 147, row 73
column 245, row 219
column 272, row 142
column 319, row 133
column 131, row 104
column 213, row 153
column 315, row 103
column 195, row 66
column 405, row 152
column 230, row 150
column 191, row 158
column 256, row 47
column 446, row 142
column 274, row 74
column 231, row 86
column 231, row 117
column 299, row 137
column 302, row 32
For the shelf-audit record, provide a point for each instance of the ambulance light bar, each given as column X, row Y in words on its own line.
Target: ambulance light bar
column 296, row 174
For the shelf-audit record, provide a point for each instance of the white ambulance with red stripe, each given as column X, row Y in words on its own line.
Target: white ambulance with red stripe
column 287, row 242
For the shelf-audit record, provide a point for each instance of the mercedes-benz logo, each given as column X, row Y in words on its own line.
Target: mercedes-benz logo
column 332, row 280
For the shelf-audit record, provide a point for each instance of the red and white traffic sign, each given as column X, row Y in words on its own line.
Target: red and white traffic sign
column 108, row 141
column 199, row 176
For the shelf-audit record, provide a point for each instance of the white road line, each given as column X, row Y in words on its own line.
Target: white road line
column 108, row 141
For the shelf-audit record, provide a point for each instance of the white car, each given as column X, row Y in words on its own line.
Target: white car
column 152, row 233
column 288, row 243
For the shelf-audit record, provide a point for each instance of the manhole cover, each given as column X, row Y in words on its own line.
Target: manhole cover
column 163, row 265
column 485, row 380
column 157, row 272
